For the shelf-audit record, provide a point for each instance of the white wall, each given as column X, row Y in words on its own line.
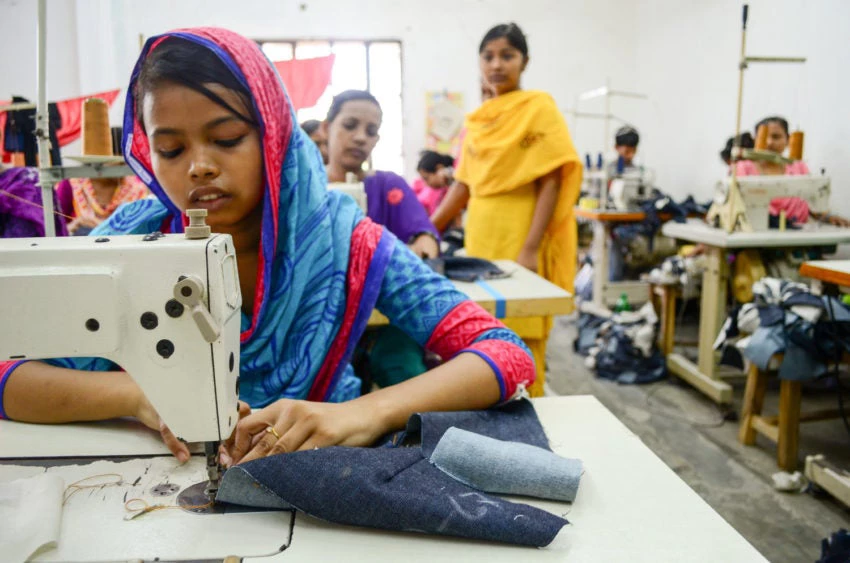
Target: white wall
column 18, row 21
column 682, row 53
column 687, row 55
column 574, row 45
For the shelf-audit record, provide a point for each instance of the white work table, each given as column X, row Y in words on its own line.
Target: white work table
column 703, row 375
column 699, row 232
column 630, row 506
column 521, row 294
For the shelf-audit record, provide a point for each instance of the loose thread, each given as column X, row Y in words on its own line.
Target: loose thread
column 76, row 487
column 34, row 204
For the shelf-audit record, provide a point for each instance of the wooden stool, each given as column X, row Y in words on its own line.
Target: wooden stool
column 664, row 301
column 784, row 429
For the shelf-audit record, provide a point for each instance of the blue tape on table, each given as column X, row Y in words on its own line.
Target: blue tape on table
column 500, row 299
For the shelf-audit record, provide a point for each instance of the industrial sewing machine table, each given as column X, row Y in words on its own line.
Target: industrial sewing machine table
column 704, row 374
column 630, row 505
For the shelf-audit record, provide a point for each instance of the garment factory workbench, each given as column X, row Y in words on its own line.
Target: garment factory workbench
column 522, row 294
column 704, row 375
column 630, row 505
column 605, row 292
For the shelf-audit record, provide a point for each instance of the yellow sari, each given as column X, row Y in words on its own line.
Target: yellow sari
column 511, row 141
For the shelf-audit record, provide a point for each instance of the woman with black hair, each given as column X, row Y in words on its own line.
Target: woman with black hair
column 521, row 176
column 777, row 141
column 437, row 173
column 210, row 126
column 313, row 128
column 352, row 129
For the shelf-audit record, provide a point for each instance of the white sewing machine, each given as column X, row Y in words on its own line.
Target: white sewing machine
column 163, row 307
column 758, row 191
column 352, row 187
column 627, row 191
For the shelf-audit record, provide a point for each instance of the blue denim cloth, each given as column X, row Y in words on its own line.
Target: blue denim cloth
column 497, row 466
column 616, row 260
column 771, row 315
column 620, row 361
column 588, row 332
column 397, row 488
column 835, row 548
column 764, row 344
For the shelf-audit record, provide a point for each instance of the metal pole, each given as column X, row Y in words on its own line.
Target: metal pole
column 42, row 124
column 736, row 143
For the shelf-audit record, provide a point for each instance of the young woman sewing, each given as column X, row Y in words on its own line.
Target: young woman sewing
column 210, row 126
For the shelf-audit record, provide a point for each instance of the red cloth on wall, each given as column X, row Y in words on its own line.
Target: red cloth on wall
column 306, row 79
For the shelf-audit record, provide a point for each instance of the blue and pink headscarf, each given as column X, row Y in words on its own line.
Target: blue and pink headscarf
column 319, row 258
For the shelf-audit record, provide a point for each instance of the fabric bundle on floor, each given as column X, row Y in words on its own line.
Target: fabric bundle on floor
column 433, row 487
column 785, row 317
column 621, row 346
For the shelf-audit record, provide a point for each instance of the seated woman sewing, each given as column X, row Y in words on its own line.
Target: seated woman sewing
column 352, row 129
column 796, row 209
column 213, row 128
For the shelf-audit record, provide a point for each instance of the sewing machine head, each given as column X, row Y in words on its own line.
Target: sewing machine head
column 352, row 187
column 163, row 307
column 630, row 189
column 758, row 191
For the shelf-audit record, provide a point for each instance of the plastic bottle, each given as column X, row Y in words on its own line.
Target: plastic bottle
column 622, row 304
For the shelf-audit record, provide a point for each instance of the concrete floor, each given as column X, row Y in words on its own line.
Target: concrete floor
column 688, row 432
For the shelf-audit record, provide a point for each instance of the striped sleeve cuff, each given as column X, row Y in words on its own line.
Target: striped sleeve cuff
column 6, row 369
column 512, row 364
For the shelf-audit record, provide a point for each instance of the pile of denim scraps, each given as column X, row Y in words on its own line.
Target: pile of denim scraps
column 786, row 317
column 436, row 477
column 660, row 203
column 621, row 346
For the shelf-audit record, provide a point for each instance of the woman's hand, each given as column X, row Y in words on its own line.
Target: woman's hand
column 528, row 259
column 289, row 426
column 425, row 246
column 149, row 417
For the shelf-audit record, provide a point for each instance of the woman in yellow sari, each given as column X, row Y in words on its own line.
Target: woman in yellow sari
column 520, row 176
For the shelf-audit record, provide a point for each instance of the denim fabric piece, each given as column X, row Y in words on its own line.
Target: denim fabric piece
column 835, row 548
column 803, row 298
column 764, row 343
column 617, row 258
column 771, row 315
column 465, row 268
column 622, row 362
column 515, row 421
column 240, row 488
column 497, row 466
column 799, row 365
column 588, row 332
column 397, row 488
column 839, row 311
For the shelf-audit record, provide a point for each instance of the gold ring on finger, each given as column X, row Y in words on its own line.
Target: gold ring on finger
column 271, row 430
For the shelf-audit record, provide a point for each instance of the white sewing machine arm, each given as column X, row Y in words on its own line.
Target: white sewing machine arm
column 163, row 307
column 758, row 191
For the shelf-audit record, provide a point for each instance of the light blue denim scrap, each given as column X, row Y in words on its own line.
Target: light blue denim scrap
column 513, row 468
column 239, row 487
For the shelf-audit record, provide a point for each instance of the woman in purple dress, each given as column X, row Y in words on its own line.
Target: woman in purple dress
column 385, row 355
column 21, row 213
column 351, row 128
